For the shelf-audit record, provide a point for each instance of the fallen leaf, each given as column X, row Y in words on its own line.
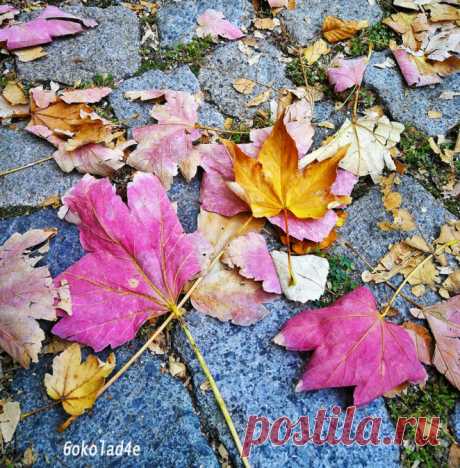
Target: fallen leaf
column 212, row 23
column 411, row 26
column 87, row 96
column 443, row 42
column 137, row 262
column 222, row 293
column 443, row 12
column 75, row 383
column 452, row 282
column 51, row 23
column 250, row 254
column 422, row 340
column 309, row 274
column 29, row 457
column 244, row 86
column 26, row 295
column 264, row 23
column 10, row 414
column 454, row 456
column 432, row 114
column 259, row 99
column 344, row 74
column 30, row 54
column 368, row 142
column 14, row 94
column 272, row 182
column 444, row 321
column 336, row 29
column 176, row 368
column 313, row 52
column 353, row 346
column 7, row 12
column 8, row 111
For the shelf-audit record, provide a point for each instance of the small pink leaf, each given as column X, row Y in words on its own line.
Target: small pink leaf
column 137, row 262
column 88, row 96
column 250, row 254
column 212, row 23
column 346, row 73
column 344, row 183
column 43, row 29
column 410, row 71
column 43, row 98
column 353, row 346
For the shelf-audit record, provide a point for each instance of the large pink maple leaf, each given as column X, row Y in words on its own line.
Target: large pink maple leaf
column 137, row 262
column 353, row 346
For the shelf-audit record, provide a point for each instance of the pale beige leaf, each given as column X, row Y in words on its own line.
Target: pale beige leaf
column 244, row 85
column 28, row 55
column 259, row 99
column 10, row 414
column 14, row 94
column 312, row 53
column 309, row 272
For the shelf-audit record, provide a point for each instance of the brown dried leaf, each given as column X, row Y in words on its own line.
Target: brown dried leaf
column 336, row 29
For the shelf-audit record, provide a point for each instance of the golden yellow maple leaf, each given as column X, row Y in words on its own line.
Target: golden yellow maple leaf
column 336, row 29
column 273, row 183
column 75, row 383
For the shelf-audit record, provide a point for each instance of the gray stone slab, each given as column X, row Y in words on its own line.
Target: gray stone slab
column 146, row 407
column 411, row 105
column 257, row 377
column 177, row 19
column 228, row 63
column 112, row 47
column 304, row 22
column 370, row 241
column 136, row 113
column 33, row 185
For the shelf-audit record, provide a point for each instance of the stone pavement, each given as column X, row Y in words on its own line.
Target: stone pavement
column 178, row 425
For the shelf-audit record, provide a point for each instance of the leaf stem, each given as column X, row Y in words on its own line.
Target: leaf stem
column 39, row 410
column 20, row 168
column 438, row 251
column 292, row 280
column 215, row 390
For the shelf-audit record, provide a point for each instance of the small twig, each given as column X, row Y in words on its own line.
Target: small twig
column 308, row 88
column 438, row 251
column 292, row 280
column 20, row 168
column 215, row 390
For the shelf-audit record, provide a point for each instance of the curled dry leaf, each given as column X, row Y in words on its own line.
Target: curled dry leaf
column 244, row 85
column 444, row 321
column 353, row 346
column 336, row 29
column 309, row 274
column 74, row 383
column 313, row 52
column 223, row 293
column 259, row 99
column 367, row 141
column 411, row 26
column 30, row 54
column 422, row 340
column 7, row 111
column 344, row 74
column 10, row 414
column 26, row 295
column 87, row 96
column 137, row 260
column 14, row 94
column 212, row 23
column 51, row 23
column 250, row 254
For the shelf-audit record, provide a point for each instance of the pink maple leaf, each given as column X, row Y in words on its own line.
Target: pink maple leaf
column 353, row 347
column 137, row 262
column 346, row 73
column 250, row 254
column 51, row 23
column 87, row 96
column 212, row 23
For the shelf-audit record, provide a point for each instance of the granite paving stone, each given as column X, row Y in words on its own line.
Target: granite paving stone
column 146, row 407
column 33, row 185
column 228, row 63
column 177, row 19
column 112, row 47
column 304, row 22
column 136, row 113
column 411, row 105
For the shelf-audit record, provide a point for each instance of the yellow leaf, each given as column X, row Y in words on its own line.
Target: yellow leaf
column 264, row 23
column 336, row 29
column 315, row 51
column 442, row 12
column 259, row 99
column 411, row 26
column 243, row 85
column 272, row 182
column 28, row 55
column 74, row 383
column 8, row 111
column 14, row 94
